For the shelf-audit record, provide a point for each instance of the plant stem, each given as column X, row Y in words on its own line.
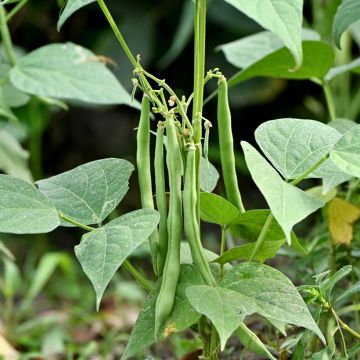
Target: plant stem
column 6, row 39
column 127, row 265
column 222, row 249
column 346, row 327
column 329, row 100
column 199, row 66
column 309, row 171
column 262, row 235
column 16, row 9
column 117, row 32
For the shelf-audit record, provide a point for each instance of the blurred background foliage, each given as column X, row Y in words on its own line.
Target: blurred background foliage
column 56, row 318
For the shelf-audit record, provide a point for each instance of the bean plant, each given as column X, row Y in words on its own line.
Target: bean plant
column 210, row 293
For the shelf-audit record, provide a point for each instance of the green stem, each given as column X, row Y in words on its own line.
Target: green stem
column 354, row 107
column 127, row 265
column 346, row 327
column 262, row 235
column 309, row 171
column 6, row 39
column 199, row 66
column 329, row 100
column 222, row 249
column 16, row 9
column 117, row 32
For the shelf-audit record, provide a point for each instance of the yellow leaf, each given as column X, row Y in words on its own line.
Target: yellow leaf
column 342, row 216
column 7, row 352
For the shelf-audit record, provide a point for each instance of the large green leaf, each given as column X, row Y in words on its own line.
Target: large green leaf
column 342, row 125
column 23, row 209
column 71, row 7
column 347, row 13
column 222, row 306
column 271, row 293
column 346, row 152
column 181, row 317
column 339, row 70
column 209, row 176
column 68, row 71
column 103, row 250
column 293, row 146
column 90, row 192
column 248, row 50
column 288, row 203
column 13, row 158
column 281, row 17
column 318, row 58
column 217, row 210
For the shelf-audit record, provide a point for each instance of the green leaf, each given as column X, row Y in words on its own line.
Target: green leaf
column 292, row 148
column 251, row 342
column 281, row 17
column 288, row 203
column 267, row 250
column 68, row 71
column 103, row 250
column 328, row 284
column 347, row 13
column 90, row 192
column 5, row 110
column 13, row 158
column 222, row 306
column 23, row 209
column 334, row 178
column 346, row 152
column 319, row 193
column 318, row 58
column 354, row 289
column 343, row 69
column 248, row 50
column 217, row 210
column 342, row 125
column 71, row 7
column 181, row 317
column 209, row 176
column 271, row 293
column 186, row 257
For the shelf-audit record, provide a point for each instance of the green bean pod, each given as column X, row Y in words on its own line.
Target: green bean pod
column 191, row 224
column 161, row 196
column 144, row 171
column 166, row 297
column 226, row 144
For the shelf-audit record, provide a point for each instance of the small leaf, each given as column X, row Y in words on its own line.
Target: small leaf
column 103, row 250
column 90, row 192
column 68, row 71
column 271, row 293
column 23, row 209
column 354, row 289
column 181, row 317
column 346, row 152
column 342, row 215
column 281, row 17
column 327, row 285
column 222, row 306
column 13, row 158
column 347, row 13
column 343, row 69
column 267, row 250
column 217, row 210
column 293, row 148
column 288, row 203
column 71, row 7
column 251, row 342
column 318, row 192
column 318, row 58
column 186, row 257
column 209, row 176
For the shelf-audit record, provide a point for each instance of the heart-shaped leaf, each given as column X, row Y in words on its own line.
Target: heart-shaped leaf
column 103, row 250
column 90, row 192
column 68, row 71
column 271, row 293
column 281, row 17
column 288, row 203
column 222, row 306
column 23, row 209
